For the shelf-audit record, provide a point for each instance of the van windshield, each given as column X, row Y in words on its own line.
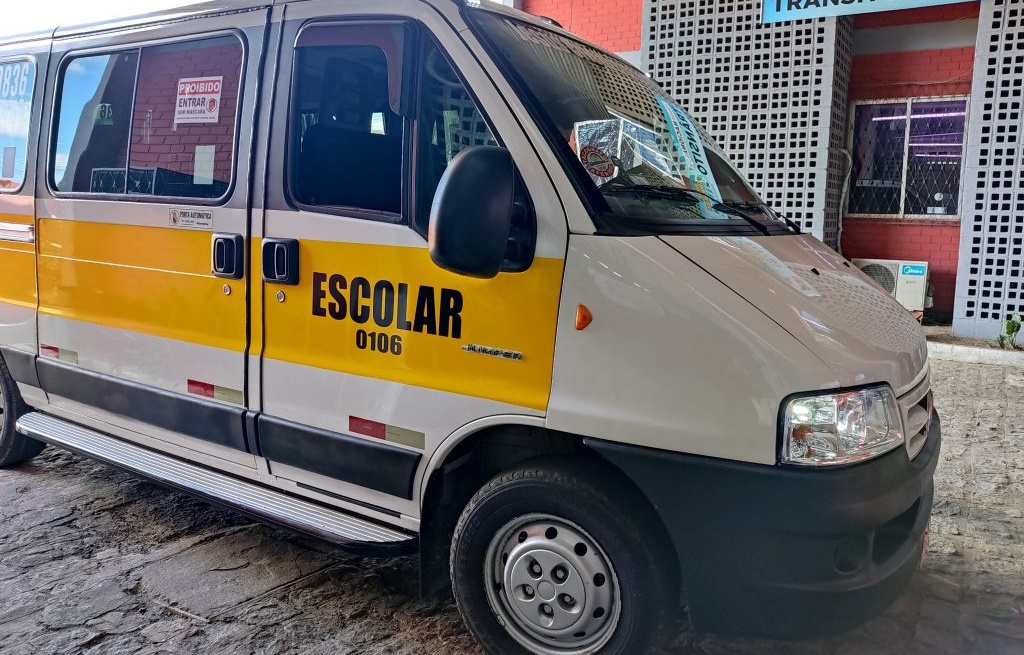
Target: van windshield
column 642, row 161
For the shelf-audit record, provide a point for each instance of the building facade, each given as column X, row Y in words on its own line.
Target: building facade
column 890, row 135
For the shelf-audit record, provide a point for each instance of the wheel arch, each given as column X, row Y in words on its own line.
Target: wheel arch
column 474, row 454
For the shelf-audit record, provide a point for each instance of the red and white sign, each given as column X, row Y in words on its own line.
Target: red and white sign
column 198, row 100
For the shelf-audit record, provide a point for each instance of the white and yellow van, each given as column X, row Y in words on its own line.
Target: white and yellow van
column 434, row 276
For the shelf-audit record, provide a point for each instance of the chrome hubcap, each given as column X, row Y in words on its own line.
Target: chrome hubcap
column 552, row 588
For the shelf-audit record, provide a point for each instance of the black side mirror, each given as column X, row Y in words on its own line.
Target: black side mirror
column 471, row 216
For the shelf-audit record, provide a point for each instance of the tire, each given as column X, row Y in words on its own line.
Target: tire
column 560, row 557
column 14, row 448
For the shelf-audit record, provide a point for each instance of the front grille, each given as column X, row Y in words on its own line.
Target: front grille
column 916, row 407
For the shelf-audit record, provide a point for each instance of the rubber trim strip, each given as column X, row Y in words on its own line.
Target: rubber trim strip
column 371, row 464
column 197, row 417
column 22, row 366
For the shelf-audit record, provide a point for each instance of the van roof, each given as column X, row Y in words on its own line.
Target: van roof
column 55, row 17
column 60, row 17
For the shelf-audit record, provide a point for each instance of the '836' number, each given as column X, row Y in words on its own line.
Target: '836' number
column 15, row 79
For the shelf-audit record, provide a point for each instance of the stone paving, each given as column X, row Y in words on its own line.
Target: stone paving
column 95, row 561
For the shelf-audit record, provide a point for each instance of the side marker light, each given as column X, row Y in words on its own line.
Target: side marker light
column 583, row 317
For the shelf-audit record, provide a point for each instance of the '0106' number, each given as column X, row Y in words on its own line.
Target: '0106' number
column 379, row 342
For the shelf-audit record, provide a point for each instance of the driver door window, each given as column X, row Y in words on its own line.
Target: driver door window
column 346, row 146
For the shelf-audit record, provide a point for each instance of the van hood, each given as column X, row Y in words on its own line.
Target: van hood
column 843, row 317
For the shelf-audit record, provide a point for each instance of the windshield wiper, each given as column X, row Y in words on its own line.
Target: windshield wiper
column 762, row 208
column 726, row 208
column 651, row 190
column 692, row 196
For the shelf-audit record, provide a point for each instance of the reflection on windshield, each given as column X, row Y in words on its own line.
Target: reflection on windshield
column 624, row 130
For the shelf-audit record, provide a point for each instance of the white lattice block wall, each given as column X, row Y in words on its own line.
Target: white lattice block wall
column 773, row 96
column 991, row 269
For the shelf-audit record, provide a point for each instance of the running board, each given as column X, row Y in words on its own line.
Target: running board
column 253, row 499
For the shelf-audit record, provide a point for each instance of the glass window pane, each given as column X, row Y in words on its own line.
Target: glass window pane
column 449, row 123
column 183, row 134
column 879, row 136
column 935, row 155
column 347, row 138
column 17, row 79
column 92, row 129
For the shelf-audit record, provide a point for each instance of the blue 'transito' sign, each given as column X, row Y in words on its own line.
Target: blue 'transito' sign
column 780, row 10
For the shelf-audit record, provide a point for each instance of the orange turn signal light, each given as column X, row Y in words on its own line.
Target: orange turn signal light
column 583, row 317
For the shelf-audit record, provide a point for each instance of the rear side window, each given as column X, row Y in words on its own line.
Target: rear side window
column 154, row 121
column 92, row 130
column 17, row 80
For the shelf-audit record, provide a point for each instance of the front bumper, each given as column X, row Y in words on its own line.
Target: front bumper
column 785, row 552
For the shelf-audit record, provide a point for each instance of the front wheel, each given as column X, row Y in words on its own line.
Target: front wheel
column 561, row 558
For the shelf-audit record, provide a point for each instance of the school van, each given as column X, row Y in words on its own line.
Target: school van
column 435, row 277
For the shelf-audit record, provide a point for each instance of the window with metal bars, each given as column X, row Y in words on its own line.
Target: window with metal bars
column 907, row 157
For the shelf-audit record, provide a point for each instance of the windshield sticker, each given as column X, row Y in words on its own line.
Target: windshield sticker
column 635, row 156
column 640, row 146
column 597, row 162
column 693, row 160
column 595, row 140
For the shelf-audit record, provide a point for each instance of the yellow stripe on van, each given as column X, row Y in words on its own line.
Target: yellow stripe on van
column 152, row 280
column 498, row 345
column 20, row 219
column 18, row 266
column 256, row 302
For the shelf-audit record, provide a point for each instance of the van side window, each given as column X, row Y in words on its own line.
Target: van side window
column 91, row 151
column 183, row 132
column 449, row 121
column 152, row 121
column 346, row 140
column 17, row 80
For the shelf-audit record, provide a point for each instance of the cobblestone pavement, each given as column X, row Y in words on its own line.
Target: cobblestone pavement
column 95, row 561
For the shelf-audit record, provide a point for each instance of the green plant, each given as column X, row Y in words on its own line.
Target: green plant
column 1008, row 339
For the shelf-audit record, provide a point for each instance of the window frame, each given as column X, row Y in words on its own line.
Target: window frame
column 906, row 101
column 31, row 105
column 69, row 56
column 425, row 40
column 406, row 97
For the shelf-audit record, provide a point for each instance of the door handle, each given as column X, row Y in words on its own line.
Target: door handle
column 281, row 261
column 229, row 256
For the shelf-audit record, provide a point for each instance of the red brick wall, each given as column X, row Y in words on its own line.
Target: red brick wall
column 911, row 74
column 917, row 16
column 933, row 242
column 156, row 141
column 908, row 74
column 614, row 26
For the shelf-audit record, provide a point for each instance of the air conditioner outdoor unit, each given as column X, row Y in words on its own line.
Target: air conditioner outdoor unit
column 907, row 281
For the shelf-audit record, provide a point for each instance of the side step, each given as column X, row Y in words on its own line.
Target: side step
column 261, row 502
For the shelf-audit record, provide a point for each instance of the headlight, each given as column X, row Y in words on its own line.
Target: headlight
column 841, row 428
